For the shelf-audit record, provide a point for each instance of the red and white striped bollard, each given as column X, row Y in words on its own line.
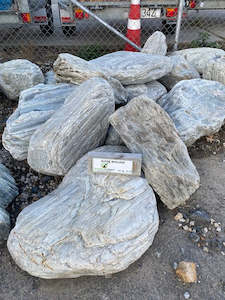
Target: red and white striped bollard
column 134, row 25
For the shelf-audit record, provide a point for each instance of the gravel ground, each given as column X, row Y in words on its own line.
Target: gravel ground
column 197, row 236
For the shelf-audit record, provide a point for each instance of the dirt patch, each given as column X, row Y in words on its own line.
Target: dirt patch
column 152, row 276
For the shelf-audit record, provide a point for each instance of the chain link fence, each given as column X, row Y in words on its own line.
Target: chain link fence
column 40, row 30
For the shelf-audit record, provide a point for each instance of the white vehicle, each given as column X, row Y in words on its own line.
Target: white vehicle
column 42, row 11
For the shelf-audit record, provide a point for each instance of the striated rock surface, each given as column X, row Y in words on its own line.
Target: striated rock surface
column 105, row 223
column 199, row 57
column 197, row 107
column 113, row 138
column 146, row 128
column 50, row 77
column 133, row 67
column 215, row 69
column 78, row 127
column 182, row 70
column 120, row 93
column 8, row 188
column 4, row 224
column 18, row 75
column 36, row 106
column 155, row 44
column 154, row 90
column 73, row 69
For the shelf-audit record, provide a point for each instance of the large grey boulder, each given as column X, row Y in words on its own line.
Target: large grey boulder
column 133, row 67
column 146, row 128
column 181, row 70
column 36, row 105
column 8, row 188
column 199, row 57
column 197, row 107
column 78, row 127
column 18, row 75
column 4, row 225
column 154, row 90
column 73, row 69
column 215, row 69
column 155, row 44
column 113, row 138
column 90, row 225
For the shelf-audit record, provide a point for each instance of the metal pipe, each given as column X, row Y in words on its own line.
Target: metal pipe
column 178, row 26
column 105, row 24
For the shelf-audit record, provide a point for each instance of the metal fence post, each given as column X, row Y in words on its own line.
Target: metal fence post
column 178, row 26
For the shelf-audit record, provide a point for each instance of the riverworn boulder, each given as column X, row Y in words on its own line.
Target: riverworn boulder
column 197, row 107
column 133, row 67
column 18, row 75
column 8, row 188
column 4, row 225
column 73, row 69
column 181, row 70
column 90, row 225
column 199, row 57
column 78, row 127
column 36, row 106
column 154, row 90
column 113, row 138
column 215, row 69
column 146, row 128
column 155, row 44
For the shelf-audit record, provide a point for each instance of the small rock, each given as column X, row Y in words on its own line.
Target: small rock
column 218, row 229
column 186, row 271
column 205, row 230
column 205, row 249
column 175, row 265
column 178, row 216
column 187, row 295
column 192, row 223
column 186, row 228
column 194, row 237
column 223, row 253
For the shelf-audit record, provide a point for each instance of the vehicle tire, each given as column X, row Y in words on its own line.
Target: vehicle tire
column 169, row 28
column 69, row 30
column 48, row 28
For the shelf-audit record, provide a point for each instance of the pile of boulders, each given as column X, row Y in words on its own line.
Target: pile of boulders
column 148, row 103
